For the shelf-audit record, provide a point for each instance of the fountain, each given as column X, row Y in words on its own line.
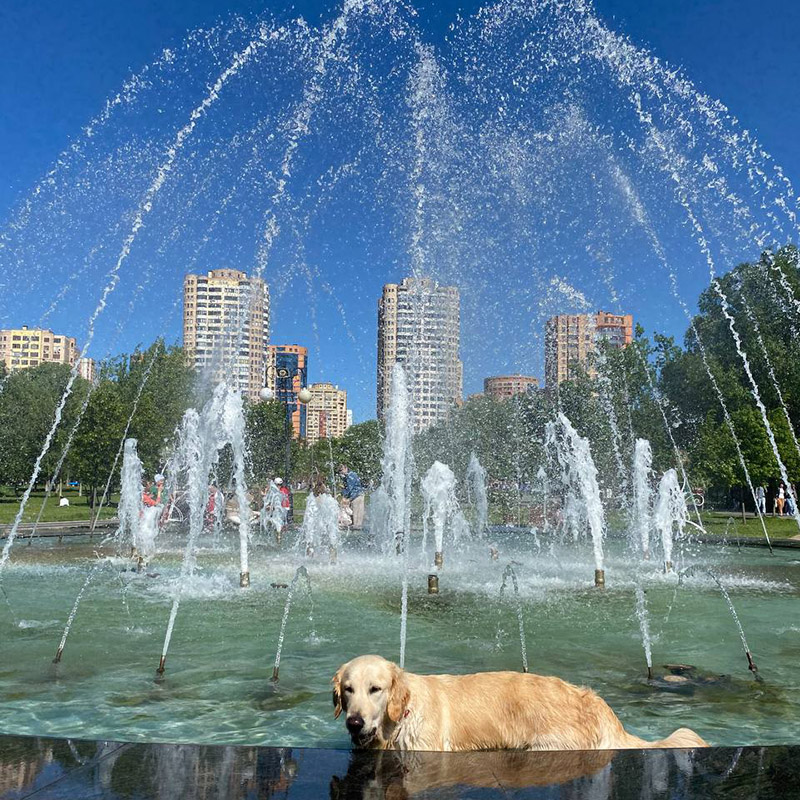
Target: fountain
column 137, row 523
column 476, row 491
column 535, row 138
column 670, row 513
column 644, row 627
column 578, row 469
column 320, row 525
column 438, row 492
column 391, row 521
column 301, row 572
column 273, row 514
column 642, row 467
column 509, row 572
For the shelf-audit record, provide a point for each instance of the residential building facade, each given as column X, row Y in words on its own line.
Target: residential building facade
column 287, row 374
column 326, row 412
column 87, row 370
column 504, row 387
column 419, row 327
column 226, row 327
column 22, row 348
column 569, row 340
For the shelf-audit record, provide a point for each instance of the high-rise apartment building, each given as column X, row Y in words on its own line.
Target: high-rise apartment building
column 21, row 348
column 326, row 412
column 569, row 339
column 87, row 369
column 504, row 387
column 287, row 374
column 226, row 327
column 419, row 326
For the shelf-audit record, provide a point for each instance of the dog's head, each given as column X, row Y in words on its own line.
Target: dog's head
column 374, row 694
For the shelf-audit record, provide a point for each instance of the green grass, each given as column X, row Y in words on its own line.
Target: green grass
column 717, row 522
column 78, row 508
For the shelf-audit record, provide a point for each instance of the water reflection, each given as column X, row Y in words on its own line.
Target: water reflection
column 399, row 775
column 61, row 768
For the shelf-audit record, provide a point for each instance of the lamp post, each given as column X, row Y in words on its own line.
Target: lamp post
column 284, row 380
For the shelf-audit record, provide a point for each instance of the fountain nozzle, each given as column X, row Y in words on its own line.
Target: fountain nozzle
column 751, row 665
column 600, row 578
column 438, row 559
column 275, row 671
column 244, row 580
column 667, row 566
column 433, row 583
column 161, row 665
column 57, row 659
column 649, row 673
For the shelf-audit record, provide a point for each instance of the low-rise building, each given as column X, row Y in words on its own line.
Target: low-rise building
column 22, row 348
column 504, row 387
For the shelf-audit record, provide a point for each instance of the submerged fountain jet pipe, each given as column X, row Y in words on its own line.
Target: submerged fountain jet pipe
column 301, row 572
column 509, row 572
column 750, row 662
column 72, row 614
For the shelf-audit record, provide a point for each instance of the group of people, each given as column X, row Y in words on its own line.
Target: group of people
column 784, row 501
column 351, row 502
column 275, row 501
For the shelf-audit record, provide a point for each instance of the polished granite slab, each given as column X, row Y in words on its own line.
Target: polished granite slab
column 65, row 769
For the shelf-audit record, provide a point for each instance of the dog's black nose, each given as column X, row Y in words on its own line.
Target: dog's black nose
column 355, row 723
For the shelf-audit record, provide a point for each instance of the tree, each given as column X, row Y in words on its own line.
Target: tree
column 98, row 438
column 28, row 405
column 361, row 449
column 266, row 439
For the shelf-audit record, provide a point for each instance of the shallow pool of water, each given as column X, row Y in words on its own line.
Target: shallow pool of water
column 217, row 686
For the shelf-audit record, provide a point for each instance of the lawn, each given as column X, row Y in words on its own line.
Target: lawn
column 78, row 508
column 720, row 523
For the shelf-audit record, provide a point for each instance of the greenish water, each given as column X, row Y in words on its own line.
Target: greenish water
column 217, row 688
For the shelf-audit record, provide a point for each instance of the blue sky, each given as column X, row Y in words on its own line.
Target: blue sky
column 60, row 62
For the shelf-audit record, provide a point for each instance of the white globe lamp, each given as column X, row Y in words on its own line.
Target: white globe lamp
column 266, row 393
column 304, row 395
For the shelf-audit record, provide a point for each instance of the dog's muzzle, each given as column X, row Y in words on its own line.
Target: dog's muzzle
column 355, row 727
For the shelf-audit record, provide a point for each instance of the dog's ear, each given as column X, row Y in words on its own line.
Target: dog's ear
column 336, row 680
column 399, row 694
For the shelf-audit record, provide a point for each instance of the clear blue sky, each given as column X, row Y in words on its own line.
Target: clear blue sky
column 59, row 62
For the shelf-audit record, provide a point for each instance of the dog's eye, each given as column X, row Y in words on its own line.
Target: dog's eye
column 373, row 689
column 348, row 689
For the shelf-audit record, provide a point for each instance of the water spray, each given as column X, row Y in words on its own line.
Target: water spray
column 509, row 572
column 301, row 572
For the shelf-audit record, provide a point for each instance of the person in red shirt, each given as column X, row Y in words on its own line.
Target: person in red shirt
column 286, row 501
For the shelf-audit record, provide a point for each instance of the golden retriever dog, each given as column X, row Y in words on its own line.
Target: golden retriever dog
column 391, row 709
